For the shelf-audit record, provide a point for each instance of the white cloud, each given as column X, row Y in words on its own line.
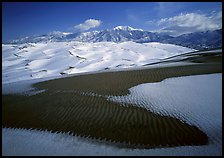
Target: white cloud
column 190, row 22
column 88, row 24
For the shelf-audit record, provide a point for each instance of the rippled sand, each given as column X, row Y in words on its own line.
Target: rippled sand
column 68, row 105
column 79, row 104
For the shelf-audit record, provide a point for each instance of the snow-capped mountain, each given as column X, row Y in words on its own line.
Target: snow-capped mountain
column 127, row 28
column 50, row 37
column 117, row 34
column 121, row 34
column 197, row 40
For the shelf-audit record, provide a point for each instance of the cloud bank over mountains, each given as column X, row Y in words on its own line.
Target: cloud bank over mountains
column 188, row 23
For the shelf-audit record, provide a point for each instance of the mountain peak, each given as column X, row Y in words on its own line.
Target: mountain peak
column 125, row 28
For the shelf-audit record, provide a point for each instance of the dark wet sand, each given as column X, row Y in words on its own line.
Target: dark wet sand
column 60, row 109
column 118, row 83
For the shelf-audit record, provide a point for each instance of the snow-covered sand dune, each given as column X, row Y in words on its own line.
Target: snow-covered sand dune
column 190, row 99
column 30, row 61
column 194, row 99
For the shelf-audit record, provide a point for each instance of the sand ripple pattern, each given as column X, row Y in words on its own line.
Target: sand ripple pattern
column 98, row 118
column 65, row 107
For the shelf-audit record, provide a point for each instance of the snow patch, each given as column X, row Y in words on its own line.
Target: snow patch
column 196, row 100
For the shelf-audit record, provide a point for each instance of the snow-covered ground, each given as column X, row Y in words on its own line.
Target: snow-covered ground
column 41, row 60
column 194, row 99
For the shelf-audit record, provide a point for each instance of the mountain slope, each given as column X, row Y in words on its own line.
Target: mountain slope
column 121, row 34
column 199, row 40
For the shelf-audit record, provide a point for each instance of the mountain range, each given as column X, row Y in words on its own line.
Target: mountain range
column 197, row 40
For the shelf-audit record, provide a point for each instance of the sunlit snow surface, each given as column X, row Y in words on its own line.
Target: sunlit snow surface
column 194, row 99
column 41, row 60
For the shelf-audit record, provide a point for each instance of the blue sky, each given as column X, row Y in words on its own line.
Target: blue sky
column 20, row 19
